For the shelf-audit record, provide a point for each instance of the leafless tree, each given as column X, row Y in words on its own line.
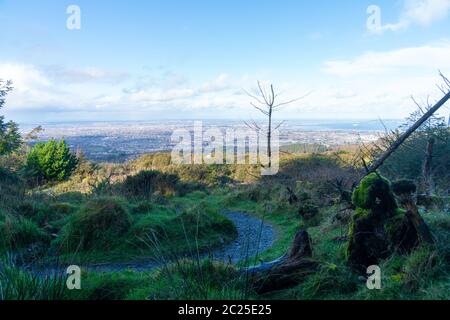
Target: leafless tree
column 424, row 117
column 266, row 102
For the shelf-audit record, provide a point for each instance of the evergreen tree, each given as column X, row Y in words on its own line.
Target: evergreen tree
column 10, row 139
column 51, row 161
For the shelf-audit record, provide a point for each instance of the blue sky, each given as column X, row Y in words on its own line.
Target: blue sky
column 190, row 59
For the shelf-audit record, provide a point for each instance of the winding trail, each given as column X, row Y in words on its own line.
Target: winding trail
column 254, row 237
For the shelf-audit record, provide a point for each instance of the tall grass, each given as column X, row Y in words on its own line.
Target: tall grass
column 17, row 284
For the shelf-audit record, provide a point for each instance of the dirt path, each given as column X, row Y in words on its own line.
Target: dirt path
column 254, row 237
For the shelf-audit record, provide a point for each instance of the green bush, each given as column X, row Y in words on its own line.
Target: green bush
column 11, row 189
column 99, row 225
column 10, row 139
column 404, row 187
column 51, row 161
column 146, row 183
column 19, row 233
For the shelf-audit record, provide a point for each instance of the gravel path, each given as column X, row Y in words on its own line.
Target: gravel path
column 254, row 237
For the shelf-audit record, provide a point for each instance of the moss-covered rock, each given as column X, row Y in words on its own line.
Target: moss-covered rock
column 374, row 193
column 378, row 227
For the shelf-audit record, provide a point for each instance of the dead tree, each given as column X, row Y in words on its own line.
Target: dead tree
column 412, row 211
column 265, row 101
column 403, row 137
column 427, row 166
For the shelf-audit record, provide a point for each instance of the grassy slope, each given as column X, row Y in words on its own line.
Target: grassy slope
column 422, row 275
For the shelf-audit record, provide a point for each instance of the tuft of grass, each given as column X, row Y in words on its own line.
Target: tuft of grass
column 16, row 284
column 99, row 224
column 20, row 233
column 194, row 280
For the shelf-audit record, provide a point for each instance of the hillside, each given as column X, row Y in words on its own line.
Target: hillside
column 148, row 210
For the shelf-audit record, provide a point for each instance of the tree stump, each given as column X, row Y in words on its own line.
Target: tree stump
column 379, row 227
column 287, row 271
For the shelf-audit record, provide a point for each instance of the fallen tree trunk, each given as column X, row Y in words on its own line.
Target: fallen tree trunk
column 379, row 162
column 286, row 271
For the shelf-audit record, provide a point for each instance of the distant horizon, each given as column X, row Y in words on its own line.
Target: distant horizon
column 171, row 59
column 206, row 120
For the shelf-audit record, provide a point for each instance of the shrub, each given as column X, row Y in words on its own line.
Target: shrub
column 98, row 225
column 404, row 187
column 11, row 189
column 54, row 215
column 10, row 139
column 19, row 233
column 146, row 183
column 307, row 209
column 51, row 161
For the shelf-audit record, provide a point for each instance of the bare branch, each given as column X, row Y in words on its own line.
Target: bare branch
column 264, row 95
column 260, row 109
column 446, row 80
column 292, row 101
column 273, row 95
column 253, row 96
column 279, row 125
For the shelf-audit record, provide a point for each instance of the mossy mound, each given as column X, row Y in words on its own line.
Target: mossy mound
column 379, row 227
column 20, row 233
column 98, row 225
column 146, row 183
column 374, row 193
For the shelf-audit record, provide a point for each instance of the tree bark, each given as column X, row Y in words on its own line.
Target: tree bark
column 286, row 271
column 269, row 139
column 419, row 224
column 379, row 162
column 427, row 183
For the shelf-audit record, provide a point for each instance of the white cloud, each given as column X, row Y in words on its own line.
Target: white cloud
column 83, row 75
column 381, row 83
column 418, row 12
column 59, row 90
column 425, row 12
column 374, row 84
column 428, row 57
column 218, row 84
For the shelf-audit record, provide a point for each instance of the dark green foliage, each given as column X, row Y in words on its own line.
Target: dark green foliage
column 16, row 284
column 147, row 183
column 378, row 228
column 330, row 279
column 20, row 233
column 53, row 216
column 51, row 161
column 108, row 286
column 375, row 193
column 407, row 161
column 307, row 209
column 10, row 139
column 98, row 225
column 11, row 189
column 195, row 280
column 404, row 187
